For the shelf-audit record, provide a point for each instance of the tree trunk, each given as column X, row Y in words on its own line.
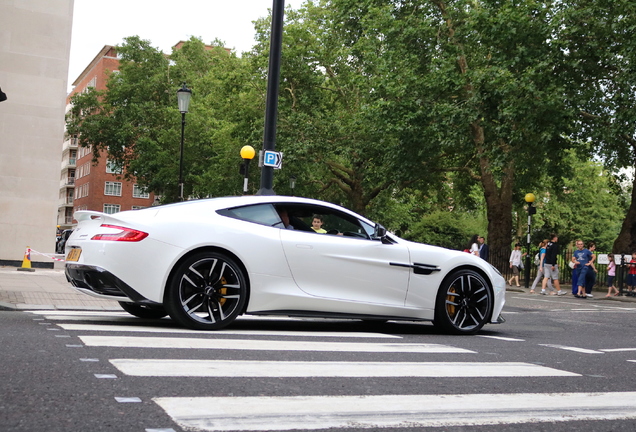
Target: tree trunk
column 626, row 240
column 498, row 197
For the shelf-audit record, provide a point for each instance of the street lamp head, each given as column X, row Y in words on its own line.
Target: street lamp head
column 248, row 152
column 530, row 198
column 183, row 97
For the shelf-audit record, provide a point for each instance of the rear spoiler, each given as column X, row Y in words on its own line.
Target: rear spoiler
column 81, row 215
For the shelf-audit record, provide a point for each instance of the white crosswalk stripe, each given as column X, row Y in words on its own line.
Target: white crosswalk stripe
column 265, row 345
column 313, row 369
column 147, row 329
column 412, row 411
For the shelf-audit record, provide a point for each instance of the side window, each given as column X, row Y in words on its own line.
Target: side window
column 331, row 221
column 264, row 214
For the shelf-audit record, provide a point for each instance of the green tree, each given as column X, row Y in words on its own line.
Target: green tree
column 597, row 39
column 466, row 87
column 137, row 123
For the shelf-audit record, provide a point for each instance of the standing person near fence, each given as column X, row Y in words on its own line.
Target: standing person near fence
column 584, row 260
column 483, row 248
column 515, row 264
column 550, row 266
column 631, row 276
column 539, row 264
column 473, row 245
column 611, row 274
column 590, row 279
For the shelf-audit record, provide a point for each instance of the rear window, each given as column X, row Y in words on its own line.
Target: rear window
column 264, row 214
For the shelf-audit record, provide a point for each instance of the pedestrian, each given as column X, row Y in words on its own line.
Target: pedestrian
column 515, row 264
column 550, row 266
column 611, row 274
column 590, row 279
column 473, row 245
column 584, row 259
column 631, row 275
column 483, row 248
column 538, row 261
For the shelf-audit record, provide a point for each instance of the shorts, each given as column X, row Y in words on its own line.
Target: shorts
column 549, row 273
column 610, row 281
column 631, row 280
column 515, row 270
column 582, row 274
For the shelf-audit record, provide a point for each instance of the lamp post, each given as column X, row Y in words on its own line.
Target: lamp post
column 247, row 153
column 271, row 102
column 183, row 97
column 292, row 184
column 531, row 210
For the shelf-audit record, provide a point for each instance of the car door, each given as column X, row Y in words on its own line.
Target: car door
column 346, row 264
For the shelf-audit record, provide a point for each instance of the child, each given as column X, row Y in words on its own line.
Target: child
column 631, row 276
column 316, row 224
column 611, row 273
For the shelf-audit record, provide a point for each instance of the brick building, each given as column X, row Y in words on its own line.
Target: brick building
column 88, row 186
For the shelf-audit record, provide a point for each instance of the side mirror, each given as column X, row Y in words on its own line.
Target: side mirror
column 380, row 234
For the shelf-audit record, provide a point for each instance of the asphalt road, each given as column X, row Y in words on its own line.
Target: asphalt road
column 557, row 364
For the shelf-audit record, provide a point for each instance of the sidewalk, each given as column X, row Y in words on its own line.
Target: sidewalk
column 44, row 289
column 598, row 293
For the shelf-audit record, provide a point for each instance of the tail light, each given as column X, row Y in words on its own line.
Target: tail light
column 126, row 234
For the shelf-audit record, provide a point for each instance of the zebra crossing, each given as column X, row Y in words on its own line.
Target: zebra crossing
column 310, row 412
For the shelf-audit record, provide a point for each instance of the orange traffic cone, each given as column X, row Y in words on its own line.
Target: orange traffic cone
column 26, row 262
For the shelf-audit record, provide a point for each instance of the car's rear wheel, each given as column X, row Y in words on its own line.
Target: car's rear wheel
column 464, row 303
column 207, row 291
column 143, row 311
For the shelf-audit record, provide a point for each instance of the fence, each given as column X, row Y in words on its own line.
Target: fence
column 501, row 260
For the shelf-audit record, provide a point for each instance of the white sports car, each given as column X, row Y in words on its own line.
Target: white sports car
column 205, row 262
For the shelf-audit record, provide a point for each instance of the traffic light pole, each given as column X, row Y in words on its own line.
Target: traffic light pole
column 271, row 106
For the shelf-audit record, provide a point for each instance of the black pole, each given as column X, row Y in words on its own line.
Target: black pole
column 271, row 106
column 527, row 269
column 181, row 157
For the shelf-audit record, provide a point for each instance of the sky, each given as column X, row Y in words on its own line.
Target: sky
column 163, row 23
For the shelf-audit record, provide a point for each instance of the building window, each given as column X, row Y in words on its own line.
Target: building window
column 111, row 208
column 138, row 207
column 139, row 192
column 113, row 189
column 113, row 167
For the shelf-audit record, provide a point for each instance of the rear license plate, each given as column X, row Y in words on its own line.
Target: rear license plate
column 74, row 254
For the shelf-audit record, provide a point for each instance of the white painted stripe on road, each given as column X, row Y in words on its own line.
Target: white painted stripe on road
column 264, row 345
column 300, row 369
column 502, row 338
column 618, row 349
column 395, row 411
column 147, row 329
column 80, row 313
column 576, row 349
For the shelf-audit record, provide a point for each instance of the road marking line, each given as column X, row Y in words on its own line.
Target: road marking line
column 146, row 329
column 392, row 411
column 127, row 399
column 576, row 349
column 618, row 349
column 502, row 338
column 265, row 345
column 105, row 376
column 286, row 369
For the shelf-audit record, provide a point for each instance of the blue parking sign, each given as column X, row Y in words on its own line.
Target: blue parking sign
column 272, row 159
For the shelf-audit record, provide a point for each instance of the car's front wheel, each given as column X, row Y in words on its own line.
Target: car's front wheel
column 142, row 311
column 464, row 303
column 206, row 292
